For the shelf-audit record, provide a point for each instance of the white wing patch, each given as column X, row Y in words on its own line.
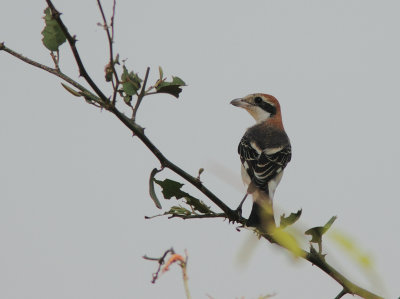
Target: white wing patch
column 263, row 167
column 254, row 146
column 274, row 150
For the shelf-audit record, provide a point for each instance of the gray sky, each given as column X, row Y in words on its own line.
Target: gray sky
column 73, row 182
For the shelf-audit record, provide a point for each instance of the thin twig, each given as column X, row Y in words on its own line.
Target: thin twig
column 58, row 73
column 199, row 216
column 192, row 216
column 112, row 20
column 160, row 260
column 341, row 294
column 110, row 37
column 56, row 59
column 141, row 95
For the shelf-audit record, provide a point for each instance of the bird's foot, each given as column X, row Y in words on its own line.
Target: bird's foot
column 239, row 208
column 238, row 211
column 239, row 217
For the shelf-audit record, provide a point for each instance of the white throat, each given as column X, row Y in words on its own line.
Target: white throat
column 259, row 114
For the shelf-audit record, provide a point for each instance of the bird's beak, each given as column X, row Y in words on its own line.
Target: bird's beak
column 240, row 103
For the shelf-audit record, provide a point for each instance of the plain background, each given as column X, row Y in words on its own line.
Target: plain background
column 74, row 182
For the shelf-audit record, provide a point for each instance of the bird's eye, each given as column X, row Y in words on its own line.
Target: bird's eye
column 257, row 100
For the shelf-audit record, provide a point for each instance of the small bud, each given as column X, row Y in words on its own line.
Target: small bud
column 200, row 172
column 109, row 72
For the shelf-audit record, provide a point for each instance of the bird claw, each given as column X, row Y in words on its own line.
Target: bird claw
column 240, row 227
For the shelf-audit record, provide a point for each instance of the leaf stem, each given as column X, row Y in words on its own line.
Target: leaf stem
column 141, row 94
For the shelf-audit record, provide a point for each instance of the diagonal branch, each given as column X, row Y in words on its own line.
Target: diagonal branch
column 317, row 259
column 54, row 71
column 72, row 41
column 138, row 131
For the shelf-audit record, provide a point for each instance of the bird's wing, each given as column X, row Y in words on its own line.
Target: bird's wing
column 262, row 165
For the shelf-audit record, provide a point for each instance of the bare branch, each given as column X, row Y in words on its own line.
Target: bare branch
column 112, row 20
column 85, row 92
column 110, row 37
column 161, row 261
column 191, row 216
column 198, row 216
column 174, row 258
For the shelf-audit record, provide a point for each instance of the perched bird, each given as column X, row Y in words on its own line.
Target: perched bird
column 264, row 152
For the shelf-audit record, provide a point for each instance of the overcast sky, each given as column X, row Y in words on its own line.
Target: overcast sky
column 73, row 181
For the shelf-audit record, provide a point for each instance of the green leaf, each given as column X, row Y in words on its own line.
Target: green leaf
column 197, row 204
column 179, row 211
column 71, row 90
column 292, row 218
column 152, row 192
column 53, row 37
column 317, row 232
column 172, row 88
column 130, row 82
column 171, row 188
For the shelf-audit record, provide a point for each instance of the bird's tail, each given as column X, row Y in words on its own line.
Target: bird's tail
column 262, row 213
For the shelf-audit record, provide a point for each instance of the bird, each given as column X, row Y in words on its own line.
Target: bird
column 264, row 152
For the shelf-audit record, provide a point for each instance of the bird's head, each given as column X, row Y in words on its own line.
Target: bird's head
column 261, row 106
